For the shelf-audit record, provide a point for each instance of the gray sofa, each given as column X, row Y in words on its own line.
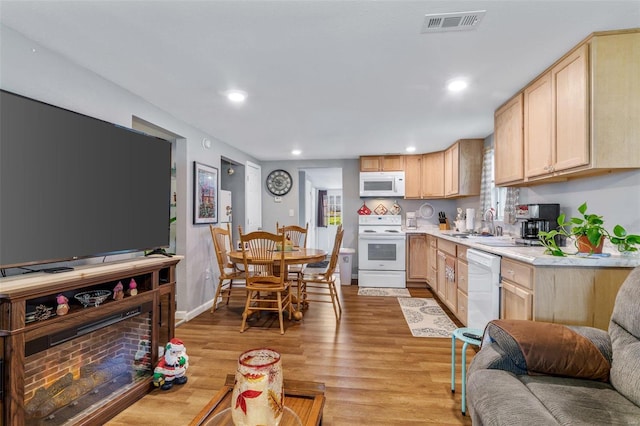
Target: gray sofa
column 502, row 389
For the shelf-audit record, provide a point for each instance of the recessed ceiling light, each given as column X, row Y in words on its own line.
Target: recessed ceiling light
column 296, row 152
column 237, row 96
column 411, row 149
column 457, row 85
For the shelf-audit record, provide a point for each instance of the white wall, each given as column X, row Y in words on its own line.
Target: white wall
column 48, row 77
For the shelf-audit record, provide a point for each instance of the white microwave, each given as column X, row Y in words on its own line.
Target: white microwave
column 382, row 184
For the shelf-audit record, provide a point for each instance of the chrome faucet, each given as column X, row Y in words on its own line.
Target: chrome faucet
column 488, row 219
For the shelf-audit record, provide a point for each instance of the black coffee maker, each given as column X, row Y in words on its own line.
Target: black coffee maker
column 536, row 218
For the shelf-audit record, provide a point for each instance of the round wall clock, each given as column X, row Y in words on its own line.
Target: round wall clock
column 279, row 182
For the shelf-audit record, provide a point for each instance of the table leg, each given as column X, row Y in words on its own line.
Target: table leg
column 464, row 378
column 453, row 363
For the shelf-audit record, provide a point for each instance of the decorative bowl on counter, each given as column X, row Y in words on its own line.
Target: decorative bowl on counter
column 92, row 297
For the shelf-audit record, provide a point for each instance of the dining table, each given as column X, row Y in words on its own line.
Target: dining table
column 295, row 256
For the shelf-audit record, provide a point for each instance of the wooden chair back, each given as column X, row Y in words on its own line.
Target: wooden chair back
column 296, row 234
column 222, row 245
column 333, row 261
column 258, row 250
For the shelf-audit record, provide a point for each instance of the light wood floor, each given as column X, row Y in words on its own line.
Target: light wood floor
column 375, row 371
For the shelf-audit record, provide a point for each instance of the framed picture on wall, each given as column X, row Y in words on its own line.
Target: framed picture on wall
column 205, row 197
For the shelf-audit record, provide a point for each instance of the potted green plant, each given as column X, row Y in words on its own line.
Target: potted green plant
column 589, row 233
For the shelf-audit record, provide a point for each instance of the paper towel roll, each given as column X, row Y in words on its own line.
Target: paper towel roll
column 471, row 219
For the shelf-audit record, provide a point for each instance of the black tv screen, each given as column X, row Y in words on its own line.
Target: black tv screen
column 72, row 186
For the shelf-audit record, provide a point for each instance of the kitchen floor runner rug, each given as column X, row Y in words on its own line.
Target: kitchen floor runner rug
column 426, row 318
column 383, row 291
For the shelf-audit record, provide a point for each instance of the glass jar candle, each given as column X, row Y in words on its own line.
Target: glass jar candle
column 258, row 395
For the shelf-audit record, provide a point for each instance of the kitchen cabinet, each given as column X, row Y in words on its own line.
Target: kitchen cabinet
column 462, row 269
column 559, row 294
column 556, row 117
column 516, row 297
column 447, row 280
column 413, row 176
column 508, row 142
column 417, row 267
column 580, row 115
column 433, row 175
column 463, row 168
column 424, row 175
column 538, row 123
column 382, row 163
column 432, row 262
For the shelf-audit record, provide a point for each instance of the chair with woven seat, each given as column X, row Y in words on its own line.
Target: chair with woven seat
column 228, row 271
column 322, row 287
column 298, row 237
column 267, row 290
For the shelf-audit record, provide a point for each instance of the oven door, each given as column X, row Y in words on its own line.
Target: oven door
column 382, row 253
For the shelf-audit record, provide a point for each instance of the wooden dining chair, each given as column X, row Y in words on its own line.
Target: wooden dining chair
column 298, row 237
column 228, row 271
column 322, row 287
column 261, row 265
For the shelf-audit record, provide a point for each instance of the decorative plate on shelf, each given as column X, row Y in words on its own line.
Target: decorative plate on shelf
column 380, row 210
column 93, row 297
column 426, row 211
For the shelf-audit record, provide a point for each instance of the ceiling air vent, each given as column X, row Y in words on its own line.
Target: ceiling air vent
column 455, row 21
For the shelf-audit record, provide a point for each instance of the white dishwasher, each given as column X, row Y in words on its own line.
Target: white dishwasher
column 484, row 288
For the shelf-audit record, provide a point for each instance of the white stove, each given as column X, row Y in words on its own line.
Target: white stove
column 381, row 251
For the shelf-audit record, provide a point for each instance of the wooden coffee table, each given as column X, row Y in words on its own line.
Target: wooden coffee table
column 306, row 399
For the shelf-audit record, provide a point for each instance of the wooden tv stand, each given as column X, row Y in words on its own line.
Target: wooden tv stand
column 23, row 336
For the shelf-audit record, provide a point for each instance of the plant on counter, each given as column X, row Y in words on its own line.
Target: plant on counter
column 589, row 234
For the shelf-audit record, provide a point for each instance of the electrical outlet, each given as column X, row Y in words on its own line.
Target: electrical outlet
column 291, row 212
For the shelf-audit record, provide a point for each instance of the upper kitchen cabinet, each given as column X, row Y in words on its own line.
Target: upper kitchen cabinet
column 424, row 175
column 463, row 168
column 433, row 175
column 580, row 116
column 556, row 125
column 380, row 163
column 508, row 142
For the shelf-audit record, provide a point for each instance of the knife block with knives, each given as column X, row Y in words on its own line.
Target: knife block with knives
column 444, row 222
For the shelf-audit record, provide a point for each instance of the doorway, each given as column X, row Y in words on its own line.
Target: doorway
column 322, row 205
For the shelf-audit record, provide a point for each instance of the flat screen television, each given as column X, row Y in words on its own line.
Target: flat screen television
column 73, row 186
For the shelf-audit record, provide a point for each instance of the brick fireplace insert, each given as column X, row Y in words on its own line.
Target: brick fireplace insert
column 87, row 365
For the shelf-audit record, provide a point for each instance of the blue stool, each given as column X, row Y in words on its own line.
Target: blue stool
column 458, row 334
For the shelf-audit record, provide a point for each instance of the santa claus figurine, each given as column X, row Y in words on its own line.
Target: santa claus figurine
column 172, row 367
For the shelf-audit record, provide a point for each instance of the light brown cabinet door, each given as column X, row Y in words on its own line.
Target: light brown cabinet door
column 417, row 259
column 441, row 281
column 451, row 170
column 432, row 262
column 508, row 142
column 378, row 163
column 433, row 175
column 413, row 176
column 571, row 84
column 393, row 163
column 538, row 127
column 516, row 302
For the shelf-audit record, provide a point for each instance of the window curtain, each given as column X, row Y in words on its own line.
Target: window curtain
column 322, row 214
column 487, row 183
column 511, row 200
column 491, row 196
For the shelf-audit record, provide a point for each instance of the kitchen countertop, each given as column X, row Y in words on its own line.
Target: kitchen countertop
column 533, row 255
